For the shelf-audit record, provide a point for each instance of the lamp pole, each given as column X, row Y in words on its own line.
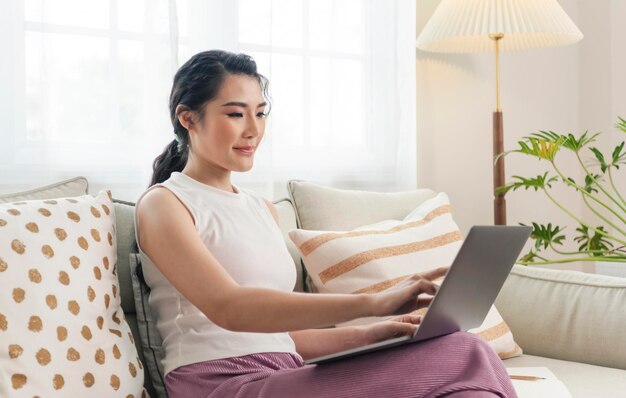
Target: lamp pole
column 499, row 203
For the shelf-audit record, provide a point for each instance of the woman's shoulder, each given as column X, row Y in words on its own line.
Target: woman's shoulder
column 156, row 198
column 159, row 203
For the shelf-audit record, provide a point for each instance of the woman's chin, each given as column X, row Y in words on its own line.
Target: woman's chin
column 242, row 168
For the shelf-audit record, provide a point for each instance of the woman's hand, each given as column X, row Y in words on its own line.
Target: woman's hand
column 404, row 297
column 391, row 328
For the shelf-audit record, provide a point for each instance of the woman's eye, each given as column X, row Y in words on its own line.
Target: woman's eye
column 235, row 114
column 261, row 114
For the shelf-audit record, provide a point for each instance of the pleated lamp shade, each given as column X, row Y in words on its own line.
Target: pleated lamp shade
column 463, row 26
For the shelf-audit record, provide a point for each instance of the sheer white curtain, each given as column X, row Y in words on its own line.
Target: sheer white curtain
column 85, row 91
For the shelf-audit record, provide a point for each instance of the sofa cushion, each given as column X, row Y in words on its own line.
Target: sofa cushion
column 376, row 257
column 582, row 380
column 287, row 222
column 151, row 342
column 330, row 209
column 73, row 187
column 566, row 314
column 60, row 310
column 125, row 226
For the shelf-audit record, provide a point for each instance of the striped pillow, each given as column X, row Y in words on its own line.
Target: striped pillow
column 376, row 257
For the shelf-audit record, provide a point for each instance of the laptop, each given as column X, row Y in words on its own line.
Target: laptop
column 470, row 287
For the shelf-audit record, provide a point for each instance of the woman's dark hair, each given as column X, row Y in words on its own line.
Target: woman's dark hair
column 196, row 83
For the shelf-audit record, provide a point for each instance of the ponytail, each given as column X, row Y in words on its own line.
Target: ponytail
column 172, row 159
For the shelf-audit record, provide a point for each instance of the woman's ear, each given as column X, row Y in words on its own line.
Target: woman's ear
column 185, row 116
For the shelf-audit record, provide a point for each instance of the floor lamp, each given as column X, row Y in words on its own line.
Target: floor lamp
column 474, row 26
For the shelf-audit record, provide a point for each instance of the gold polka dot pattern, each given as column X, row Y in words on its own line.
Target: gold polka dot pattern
column 60, row 234
column 72, row 354
column 95, row 212
column 51, row 301
column 75, row 261
column 73, row 216
column 86, row 332
column 35, row 324
column 58, row 381
column 18, row 246
column 99, row 357
column 60, row 316
column 73, row 307
column 3, row 322
column 82, row 243
column 115, row 382
column 88, row 380
column 64, row 278
column 91, row 294
column 61, row 333
column 18, row 294
column 15, row 350
column 34, row 276
column 43, row 357
column 47, row 251
column 18, row 380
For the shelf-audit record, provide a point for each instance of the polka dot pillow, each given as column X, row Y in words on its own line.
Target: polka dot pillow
column 62, row 330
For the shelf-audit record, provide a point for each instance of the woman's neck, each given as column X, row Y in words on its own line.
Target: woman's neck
column 215, row 180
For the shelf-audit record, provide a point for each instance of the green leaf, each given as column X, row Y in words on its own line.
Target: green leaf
column 595, row 245
column 600, row 157
column 621, row 125
column 543, row 145
column 618, row 156
column 546, row 235
column 536, row 183
column 590, row 180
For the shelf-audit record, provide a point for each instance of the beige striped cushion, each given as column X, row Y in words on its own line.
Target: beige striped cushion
column 375, row 257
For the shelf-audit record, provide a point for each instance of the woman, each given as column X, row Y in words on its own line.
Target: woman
column 221, row 277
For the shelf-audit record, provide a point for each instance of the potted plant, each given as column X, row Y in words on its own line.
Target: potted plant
column 599, row 192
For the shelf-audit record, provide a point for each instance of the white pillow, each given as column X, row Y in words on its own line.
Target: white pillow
column 62, row 329
column 376, row 257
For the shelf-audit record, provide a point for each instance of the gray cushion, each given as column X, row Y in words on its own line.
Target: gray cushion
column 73, row 187
column 125, row 234
column 330, row 209
column 151, row 341
column 147, row 381
column 287, row 222
column 569, row 315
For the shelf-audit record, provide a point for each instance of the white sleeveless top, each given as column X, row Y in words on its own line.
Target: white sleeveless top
column 241, row 233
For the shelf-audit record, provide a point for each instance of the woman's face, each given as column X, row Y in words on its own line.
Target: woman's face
column 233, row 125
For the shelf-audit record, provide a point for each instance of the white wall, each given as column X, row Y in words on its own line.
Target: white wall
column 565, row 89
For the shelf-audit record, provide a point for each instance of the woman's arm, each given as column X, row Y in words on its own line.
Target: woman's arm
column 169, row 238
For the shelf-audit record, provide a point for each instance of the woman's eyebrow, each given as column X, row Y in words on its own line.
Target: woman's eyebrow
column 243, row 104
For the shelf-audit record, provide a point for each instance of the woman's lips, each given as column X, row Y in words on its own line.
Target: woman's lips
column 245, row 150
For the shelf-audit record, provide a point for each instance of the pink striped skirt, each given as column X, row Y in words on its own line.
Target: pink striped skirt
column 457, row 365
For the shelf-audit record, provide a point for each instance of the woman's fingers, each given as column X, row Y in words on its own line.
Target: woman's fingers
column 412, row 319
column 425, row 286
column 424, row 302
column 435, row 274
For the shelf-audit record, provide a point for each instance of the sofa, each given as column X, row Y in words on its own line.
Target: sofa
column 570, row 322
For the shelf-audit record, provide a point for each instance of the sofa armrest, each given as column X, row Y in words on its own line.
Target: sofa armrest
column 566, row 315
